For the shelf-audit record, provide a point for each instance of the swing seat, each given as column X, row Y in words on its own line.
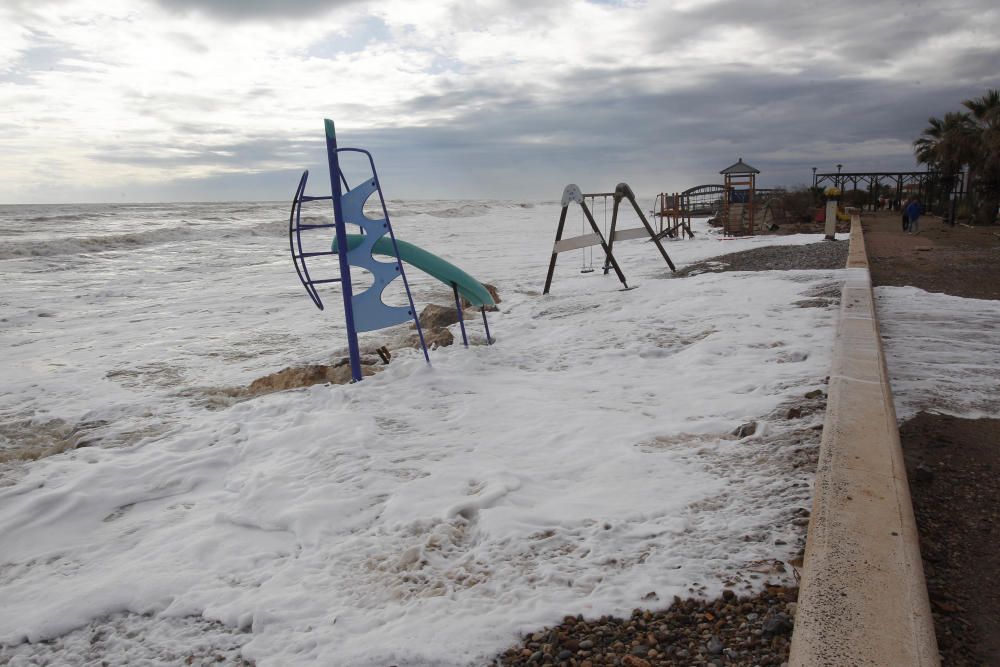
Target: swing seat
column 586, row 270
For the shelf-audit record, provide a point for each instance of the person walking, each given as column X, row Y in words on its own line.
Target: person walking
column 905, row 217
column 913, row 211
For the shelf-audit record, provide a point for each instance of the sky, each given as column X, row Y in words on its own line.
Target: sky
column 207, row 100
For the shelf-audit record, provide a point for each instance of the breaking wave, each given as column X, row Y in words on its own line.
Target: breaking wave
column 77, row 245
column 451, row 209
column 41, row 231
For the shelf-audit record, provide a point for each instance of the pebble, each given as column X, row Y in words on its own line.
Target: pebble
column 687, row 632
column 778, row 624
column 823, row 255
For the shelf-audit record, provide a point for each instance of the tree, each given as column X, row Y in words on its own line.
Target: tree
column 967, row 139
column 986, row 113
column 947, row 145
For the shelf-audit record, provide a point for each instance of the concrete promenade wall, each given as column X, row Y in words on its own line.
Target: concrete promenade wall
column 863, row 598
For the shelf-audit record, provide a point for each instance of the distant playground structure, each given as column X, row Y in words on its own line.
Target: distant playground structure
column 605, row 239
column 676, row 210
column 366, row 311
column 741, row 208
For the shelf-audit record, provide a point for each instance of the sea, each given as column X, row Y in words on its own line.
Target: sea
column 114, row 318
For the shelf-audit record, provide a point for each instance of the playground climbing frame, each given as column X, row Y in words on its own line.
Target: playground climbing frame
column 366, row 311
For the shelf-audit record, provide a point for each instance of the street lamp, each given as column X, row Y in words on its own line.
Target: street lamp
column 814, row 176
column 839, row 167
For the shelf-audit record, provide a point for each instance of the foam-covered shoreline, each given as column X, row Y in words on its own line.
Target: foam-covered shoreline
column 465, row 501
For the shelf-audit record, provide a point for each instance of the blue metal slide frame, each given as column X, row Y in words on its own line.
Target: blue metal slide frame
column 364, row 311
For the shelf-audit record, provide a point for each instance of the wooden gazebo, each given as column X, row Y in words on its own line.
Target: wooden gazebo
column 738, row 203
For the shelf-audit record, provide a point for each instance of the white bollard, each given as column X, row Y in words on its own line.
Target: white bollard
column 831, row 219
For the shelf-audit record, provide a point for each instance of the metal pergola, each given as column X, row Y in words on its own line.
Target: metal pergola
column 924, row 184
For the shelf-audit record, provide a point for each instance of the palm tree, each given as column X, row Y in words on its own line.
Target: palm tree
column 947, row 145
column 925, row 148
column 986, row 109
column 986, row 114
column 970, row 139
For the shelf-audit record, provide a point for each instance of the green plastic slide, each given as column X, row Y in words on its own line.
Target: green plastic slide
column 470, row 288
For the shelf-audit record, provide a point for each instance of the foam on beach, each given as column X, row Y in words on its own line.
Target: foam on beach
column 428, row 514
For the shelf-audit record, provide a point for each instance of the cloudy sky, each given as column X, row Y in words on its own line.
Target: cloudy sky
column 161, row 100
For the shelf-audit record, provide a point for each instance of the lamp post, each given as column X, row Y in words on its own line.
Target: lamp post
column 814, row 176
column 839, row 184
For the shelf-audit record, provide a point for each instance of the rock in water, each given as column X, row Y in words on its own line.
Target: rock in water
column 493, row 293
column 435, row 338
column 434, row 316
column 305, row 376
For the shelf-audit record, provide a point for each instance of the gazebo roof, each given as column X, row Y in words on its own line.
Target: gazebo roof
column 740, row 167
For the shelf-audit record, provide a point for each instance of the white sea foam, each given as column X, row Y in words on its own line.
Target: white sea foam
column 943, row 352
column 426, row 515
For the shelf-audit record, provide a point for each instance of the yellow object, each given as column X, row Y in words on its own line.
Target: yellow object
column 831, row 192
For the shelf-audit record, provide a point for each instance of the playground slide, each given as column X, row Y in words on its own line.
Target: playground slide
column 470, row 288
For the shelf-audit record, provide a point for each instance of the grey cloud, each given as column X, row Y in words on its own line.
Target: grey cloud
column 240, row 10
column 474, row 16
column 456, row 98
column 648, row 126
column 44, row 54
column 506, row 143
column 188, row 42
column 863, row 33
column 693, row 132
column 250, row 153
column 269, row 186
column 516, row 147
column 162, row 105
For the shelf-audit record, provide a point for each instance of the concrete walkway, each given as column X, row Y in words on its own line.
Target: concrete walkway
column 863, row 599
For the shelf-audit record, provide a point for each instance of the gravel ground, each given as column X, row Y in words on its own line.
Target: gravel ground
column 730, row 630
column 952, row 468
column 822, row 255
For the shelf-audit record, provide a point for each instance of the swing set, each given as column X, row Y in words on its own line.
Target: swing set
column 586, row 242
column 587, row 254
